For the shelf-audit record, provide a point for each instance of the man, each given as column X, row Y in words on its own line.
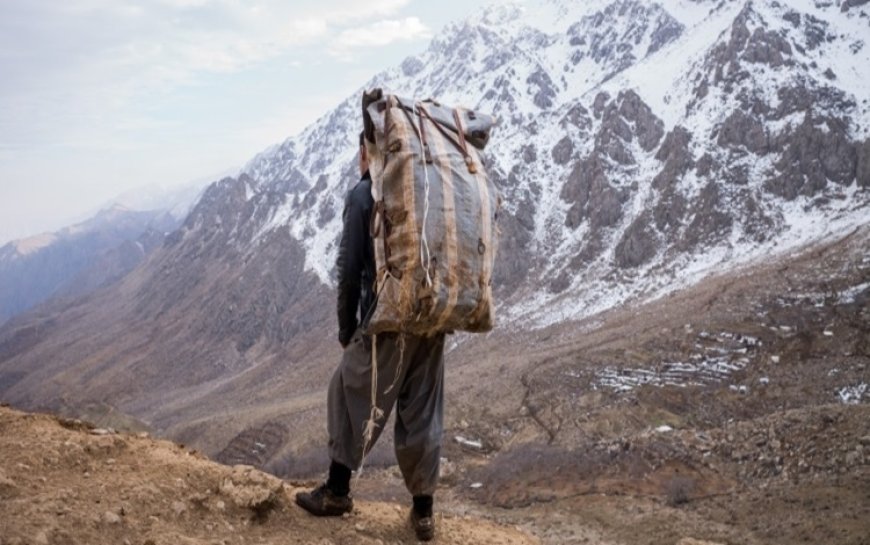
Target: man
column 410, row 375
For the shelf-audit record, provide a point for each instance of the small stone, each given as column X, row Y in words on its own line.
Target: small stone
column 360, row 527
column 865, row 440
column 220, row 505
column 111, row 518
column 179, row 508
column 446, row 469
column 247, row 487
column 143, row 435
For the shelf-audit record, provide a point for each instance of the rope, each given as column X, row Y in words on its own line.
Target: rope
column 425, row 254
column 374, row 413
column 401, row 363
column 424, row 241
column 372, row 423
column 426, row 262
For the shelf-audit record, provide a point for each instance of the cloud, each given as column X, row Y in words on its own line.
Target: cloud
column 70, row 66
column 379, row 34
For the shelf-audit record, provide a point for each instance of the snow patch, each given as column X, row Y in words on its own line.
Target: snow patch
column 852, row 395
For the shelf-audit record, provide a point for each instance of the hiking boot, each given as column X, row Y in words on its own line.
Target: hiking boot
column 423, row 525
column 321, row 502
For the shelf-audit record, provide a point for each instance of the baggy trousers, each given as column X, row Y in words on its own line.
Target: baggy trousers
column 417, row 391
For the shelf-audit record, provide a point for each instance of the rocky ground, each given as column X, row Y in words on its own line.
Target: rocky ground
column 64, row 482
column 732, row 412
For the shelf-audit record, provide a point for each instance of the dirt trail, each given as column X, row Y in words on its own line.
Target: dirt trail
column 63, row 482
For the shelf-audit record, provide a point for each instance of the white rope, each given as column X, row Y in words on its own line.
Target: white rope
column 424, row 241
column 375, row 414
column 426, row 262
column 425, row 254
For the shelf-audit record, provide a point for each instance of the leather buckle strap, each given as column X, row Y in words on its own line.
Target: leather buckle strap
column 469, row 162
column 426, row 153
column 374, row 223
column 460, row 131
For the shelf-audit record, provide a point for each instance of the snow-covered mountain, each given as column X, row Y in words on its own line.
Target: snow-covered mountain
column 641, row 145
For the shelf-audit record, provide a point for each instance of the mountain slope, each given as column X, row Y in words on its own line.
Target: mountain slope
column 631, row 141
column 79, row 258
column 642, row 146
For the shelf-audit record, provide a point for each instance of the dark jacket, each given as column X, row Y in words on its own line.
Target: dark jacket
column 356, row 260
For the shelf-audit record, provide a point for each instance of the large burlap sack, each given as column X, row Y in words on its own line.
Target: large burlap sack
column 434, row 221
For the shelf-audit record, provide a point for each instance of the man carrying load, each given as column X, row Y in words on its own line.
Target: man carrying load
column 415, row 261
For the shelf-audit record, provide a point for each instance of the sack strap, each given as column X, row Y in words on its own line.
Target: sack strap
column 460, row 145
column 461, row 132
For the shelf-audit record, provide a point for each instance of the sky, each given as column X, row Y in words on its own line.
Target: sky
column 102, row 97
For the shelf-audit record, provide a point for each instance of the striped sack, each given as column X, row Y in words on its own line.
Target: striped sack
column 434, row 218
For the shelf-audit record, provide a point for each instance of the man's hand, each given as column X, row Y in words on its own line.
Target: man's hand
column 345, row 336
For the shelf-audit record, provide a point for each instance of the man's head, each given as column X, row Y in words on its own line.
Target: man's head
column 363, row 156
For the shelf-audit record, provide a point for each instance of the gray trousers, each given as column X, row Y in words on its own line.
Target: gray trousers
column 418, row 394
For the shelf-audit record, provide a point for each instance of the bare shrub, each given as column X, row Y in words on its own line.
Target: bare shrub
column 535, row 472
column 679, row 490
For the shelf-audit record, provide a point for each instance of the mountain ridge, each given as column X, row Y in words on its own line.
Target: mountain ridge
column 78, row 259
column 608, row 201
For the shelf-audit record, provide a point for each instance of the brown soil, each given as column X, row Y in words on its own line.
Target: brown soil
column 64, row 482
